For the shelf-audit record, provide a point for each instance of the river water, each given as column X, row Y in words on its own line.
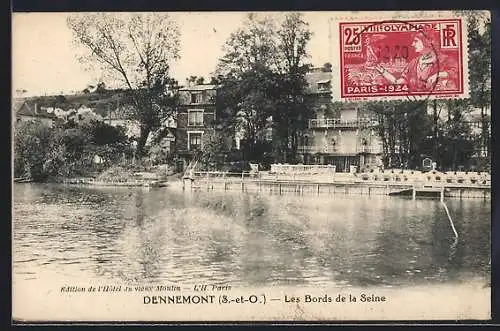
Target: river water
column 167, row 236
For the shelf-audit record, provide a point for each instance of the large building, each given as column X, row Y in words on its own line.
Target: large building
column 196, row 118
column 342, row 137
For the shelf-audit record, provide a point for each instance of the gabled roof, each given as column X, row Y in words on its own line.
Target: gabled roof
column 17, row 104
column 27, row 108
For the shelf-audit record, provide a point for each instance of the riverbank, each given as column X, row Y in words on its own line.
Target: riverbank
column 115, row 176
column 129, row 182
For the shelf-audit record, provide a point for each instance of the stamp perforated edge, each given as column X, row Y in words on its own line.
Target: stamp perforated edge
column 352, row 17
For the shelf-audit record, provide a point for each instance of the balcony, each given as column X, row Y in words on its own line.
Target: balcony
column 338, row 123
column 368, row 149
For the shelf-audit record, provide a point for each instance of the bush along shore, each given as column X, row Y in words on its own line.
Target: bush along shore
column 92, row 153
column 122, row 176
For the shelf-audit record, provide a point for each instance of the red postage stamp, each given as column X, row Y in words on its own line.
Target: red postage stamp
column 401, row 59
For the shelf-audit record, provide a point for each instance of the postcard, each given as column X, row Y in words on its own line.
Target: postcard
column 241, row 167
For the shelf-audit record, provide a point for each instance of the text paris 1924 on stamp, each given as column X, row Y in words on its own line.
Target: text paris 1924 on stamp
column 403, row 59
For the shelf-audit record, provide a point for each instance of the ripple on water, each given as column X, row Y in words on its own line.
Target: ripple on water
column 170, row 236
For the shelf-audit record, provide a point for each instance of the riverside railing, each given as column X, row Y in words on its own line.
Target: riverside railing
column 327, row 174
column 338, row 123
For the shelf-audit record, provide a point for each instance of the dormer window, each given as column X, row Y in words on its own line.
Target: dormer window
column 324, row 85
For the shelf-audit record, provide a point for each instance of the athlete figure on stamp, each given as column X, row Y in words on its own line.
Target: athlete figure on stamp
column 429, row 70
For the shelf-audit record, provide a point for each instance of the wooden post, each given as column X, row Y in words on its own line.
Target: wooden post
column 414, row 192
column 280, row 188
column 318, row 188
column 442, row 194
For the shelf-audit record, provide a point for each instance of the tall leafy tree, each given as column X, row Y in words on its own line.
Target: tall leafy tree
column 135, row 49
column 262, row 74
column 480, row 72
column 247, row 75
column 291, row 116
column 252, row 45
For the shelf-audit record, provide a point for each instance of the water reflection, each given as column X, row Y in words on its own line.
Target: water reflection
column 136, row 235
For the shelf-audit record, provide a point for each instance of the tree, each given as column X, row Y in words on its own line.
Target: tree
column 480, row 73
column 247, row 75
column 31, row 144
column 200, row 81
column 101, row 87
column 327, row 67
column 457, row 147
column 292, row 113
column 262, row 74
column 249, row 101
column 402, row 128
column 136, row 49
column 252, row 44
column 215, row 146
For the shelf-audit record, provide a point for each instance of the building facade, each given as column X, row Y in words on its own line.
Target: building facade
column 196, row 118
column 25, row 111
column 343, row 137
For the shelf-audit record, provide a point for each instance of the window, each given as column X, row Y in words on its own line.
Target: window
column 324, row 85
column 195, row 97
column 194, row 140
column 195, row 117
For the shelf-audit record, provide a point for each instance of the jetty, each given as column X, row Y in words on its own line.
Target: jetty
column 426, row 191
column 324, row 180
column 23, row 180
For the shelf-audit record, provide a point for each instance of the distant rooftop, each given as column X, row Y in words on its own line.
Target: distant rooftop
column 27, row 108
column 199, row 87
column 315, row 78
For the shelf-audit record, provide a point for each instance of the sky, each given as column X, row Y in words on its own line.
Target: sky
column 44, row 56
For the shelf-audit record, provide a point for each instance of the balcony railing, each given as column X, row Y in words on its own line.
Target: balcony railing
column 317, row 149
column 335, row 149
column 367, row 149
column 338, row 123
